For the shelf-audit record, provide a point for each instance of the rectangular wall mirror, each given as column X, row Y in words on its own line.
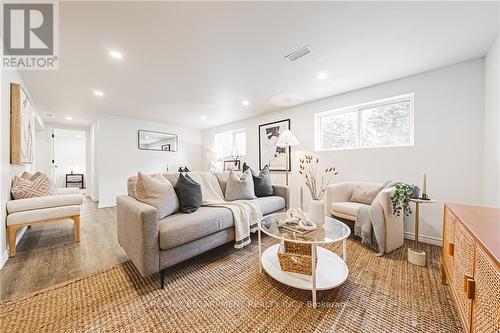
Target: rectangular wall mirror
column 150, row 140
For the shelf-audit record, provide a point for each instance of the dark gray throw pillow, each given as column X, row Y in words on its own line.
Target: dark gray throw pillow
column 189, row 194
column 262, row 183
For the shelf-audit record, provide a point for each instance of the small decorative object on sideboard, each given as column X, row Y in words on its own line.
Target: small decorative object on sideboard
column 317, row 185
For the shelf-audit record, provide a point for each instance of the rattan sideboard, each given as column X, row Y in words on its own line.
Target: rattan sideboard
column 470, row 264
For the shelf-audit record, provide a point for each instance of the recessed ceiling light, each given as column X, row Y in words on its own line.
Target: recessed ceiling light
column 322, row 75
column 68, row 118
column 245, row 103
column 203, row 117
column 98, row 93
column 115, row 54
column 78, row 136
column 50, row 115
column 146, row 137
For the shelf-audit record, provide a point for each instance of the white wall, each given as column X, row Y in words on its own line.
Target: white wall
column 43, row 156
column 119, row 158
column 7, row 170
column 492, row 126
column 448, row 140
column 93, row 187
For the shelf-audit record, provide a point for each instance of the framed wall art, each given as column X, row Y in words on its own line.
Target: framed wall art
column 269, row 154
column 22, row 126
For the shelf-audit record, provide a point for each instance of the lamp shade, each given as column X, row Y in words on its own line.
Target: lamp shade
column 287, row 138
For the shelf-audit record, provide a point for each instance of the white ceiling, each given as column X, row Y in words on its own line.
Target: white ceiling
column 185, row 60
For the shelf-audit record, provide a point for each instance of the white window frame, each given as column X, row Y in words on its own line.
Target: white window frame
column 357, row 108
column 233, row 133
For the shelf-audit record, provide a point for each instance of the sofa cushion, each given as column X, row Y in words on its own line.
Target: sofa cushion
column 240, row 187
column 178, row 229
column 157, row 192
column 270, row 204
column 366, row 193
column 38, row 185
column 189, row 194
column 347, row 208
column 262, row 182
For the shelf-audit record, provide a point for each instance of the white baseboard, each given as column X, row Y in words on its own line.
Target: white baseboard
column 106, row 204
column 424, row 239
column 5, row 256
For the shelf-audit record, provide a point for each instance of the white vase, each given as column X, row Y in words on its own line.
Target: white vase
column 317, row 212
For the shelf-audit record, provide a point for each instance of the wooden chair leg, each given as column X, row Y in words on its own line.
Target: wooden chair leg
column 76, row 222
column 12, row 230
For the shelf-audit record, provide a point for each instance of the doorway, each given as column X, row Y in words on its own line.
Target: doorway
column 69, row 158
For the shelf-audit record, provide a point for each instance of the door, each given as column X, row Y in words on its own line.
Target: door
column 68, row 155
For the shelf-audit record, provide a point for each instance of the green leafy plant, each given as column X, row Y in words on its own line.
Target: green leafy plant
column 401, row 198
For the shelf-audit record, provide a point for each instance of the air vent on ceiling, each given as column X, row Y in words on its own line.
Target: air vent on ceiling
column 296, row 55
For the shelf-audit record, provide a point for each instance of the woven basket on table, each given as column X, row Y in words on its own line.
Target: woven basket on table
column 296, row 257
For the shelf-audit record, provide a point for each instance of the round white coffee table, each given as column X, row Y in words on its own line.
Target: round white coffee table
column 330, row 270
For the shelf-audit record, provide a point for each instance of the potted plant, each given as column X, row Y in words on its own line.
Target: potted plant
column 316, row 182
column 401, row 198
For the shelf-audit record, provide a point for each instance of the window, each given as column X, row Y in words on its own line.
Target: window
column 231, row 143
column 383, row 123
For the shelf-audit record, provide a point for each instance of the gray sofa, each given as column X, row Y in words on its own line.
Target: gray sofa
column 154, row 245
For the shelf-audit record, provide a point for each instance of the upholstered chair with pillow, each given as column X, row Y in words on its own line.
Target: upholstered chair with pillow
column 344, row 200
column 38, row 201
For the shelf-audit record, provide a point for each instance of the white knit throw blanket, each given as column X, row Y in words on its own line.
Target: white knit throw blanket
column 246, row 214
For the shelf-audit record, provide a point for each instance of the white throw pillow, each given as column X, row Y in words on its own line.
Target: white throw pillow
column 366, row 193
column 240, row 187
column 158, row 192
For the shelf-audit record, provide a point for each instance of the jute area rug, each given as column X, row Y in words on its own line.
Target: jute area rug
column 223, row 291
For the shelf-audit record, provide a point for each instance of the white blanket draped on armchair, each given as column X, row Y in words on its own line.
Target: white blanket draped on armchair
column 374, row 223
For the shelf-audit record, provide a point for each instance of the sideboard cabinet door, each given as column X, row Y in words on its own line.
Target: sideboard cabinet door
column 486, row 308
column 449, row 239
column 463, row 268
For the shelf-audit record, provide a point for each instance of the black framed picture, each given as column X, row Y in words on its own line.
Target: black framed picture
column 232, row 165
column 269, row 154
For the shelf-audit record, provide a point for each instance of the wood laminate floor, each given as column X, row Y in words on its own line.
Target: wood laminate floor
column 48, row 254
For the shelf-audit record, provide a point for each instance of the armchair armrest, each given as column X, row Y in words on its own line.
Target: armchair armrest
column 284, row 192
column 137, row 225
column 20, row 205
column 394, row 225
column 339, row 192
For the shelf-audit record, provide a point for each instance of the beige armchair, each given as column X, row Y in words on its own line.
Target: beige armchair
column 25, row 212
column 339, row 204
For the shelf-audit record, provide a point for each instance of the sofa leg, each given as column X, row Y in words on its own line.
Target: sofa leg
column 12, row 229
column 162, row 278
column 76, row 222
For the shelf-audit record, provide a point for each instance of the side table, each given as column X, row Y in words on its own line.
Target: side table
column 416, row 256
